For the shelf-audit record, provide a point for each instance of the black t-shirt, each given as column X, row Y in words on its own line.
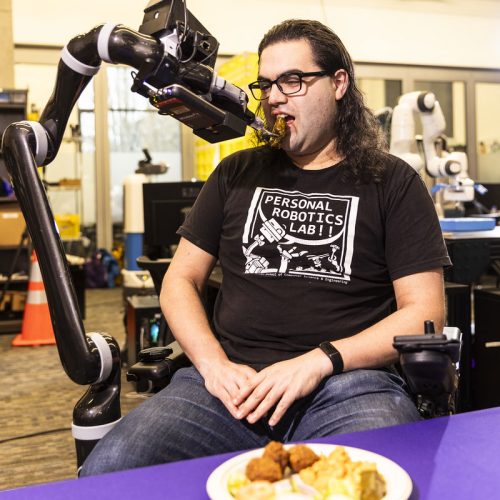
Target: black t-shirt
column 306, row 255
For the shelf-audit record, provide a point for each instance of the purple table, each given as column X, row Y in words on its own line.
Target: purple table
column 454, row 457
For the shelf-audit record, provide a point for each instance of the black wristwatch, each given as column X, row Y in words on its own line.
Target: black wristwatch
column 334, row 355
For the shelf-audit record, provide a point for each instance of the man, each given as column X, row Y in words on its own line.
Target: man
column 329, row 248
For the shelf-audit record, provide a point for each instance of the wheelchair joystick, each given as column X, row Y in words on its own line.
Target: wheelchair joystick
column 156, row 366
column 429, row 363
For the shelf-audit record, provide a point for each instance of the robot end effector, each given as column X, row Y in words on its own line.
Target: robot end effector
column 184, row 85
column 452, row 165
column 173, row 56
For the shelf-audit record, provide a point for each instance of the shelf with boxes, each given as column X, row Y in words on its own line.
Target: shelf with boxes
column 12, row 109
column 14, row 262
column 14, row 258
column 15, row 251
column 12, row 303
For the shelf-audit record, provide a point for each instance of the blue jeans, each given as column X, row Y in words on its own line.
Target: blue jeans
column 185, row 421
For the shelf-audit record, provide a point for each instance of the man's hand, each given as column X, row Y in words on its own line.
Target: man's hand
column 225, row 379
column 281, row 384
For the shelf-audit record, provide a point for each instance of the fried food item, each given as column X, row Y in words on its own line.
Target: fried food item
column 279, row 128
column 370, row 483
column 277, row 453
column 257, row 490
column 338, row 475
column 264, row 468
column 301, row 457
column 272, row 475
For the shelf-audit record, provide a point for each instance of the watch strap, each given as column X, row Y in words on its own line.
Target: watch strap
column 334, row 355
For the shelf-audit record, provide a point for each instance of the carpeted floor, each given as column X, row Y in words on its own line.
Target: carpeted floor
column 37, row 400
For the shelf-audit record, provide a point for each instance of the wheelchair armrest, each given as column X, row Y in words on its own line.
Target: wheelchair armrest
column 156, row 366
column 430, row 366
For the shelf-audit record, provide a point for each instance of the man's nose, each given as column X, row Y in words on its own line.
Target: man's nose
column 275, row 95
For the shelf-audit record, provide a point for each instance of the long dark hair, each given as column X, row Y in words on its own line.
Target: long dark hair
column 357, row 133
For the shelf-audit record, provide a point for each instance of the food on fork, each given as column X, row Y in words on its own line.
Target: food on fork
column 279, row 131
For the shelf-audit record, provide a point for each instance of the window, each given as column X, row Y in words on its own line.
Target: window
column 380, row 93
column 134, row 125
column 86, row 118
column 488, row 131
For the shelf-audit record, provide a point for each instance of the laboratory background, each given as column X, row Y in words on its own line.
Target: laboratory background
column 129, row 166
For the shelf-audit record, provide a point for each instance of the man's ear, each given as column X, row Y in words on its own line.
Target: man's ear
column 341, row 80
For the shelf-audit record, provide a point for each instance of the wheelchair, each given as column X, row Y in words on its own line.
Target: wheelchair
column 429, row 363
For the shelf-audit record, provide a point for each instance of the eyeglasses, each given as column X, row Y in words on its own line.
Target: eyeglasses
column 287, row 83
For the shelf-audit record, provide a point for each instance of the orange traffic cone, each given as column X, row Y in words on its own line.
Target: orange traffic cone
column 37, row 326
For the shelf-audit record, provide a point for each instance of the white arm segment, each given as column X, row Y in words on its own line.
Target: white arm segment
column 403, row 144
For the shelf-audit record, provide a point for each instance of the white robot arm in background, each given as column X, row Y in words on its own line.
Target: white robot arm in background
column 437, row 164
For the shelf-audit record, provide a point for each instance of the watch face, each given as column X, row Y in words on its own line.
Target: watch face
column 328, row 348
column 334, row 355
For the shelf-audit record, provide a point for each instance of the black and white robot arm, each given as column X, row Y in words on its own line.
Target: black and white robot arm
column 452, row 165
column 87, row 359
column 173, row 56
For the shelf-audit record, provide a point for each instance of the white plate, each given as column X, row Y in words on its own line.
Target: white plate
column 398, row 482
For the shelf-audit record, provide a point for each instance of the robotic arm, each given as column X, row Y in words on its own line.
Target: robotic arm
column 174, row 61
column 437, row 164
column 173, row 57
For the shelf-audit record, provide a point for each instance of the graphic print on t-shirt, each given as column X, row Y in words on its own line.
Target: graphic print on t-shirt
column 308, row 235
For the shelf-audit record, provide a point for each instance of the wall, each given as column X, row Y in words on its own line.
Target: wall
column 488, row 131
column 39, row 79
column 6, row 45
column 452, row 33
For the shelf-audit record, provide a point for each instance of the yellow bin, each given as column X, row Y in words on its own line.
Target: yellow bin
column 68, row 226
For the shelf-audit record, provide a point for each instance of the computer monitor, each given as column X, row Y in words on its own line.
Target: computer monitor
column 166, row 205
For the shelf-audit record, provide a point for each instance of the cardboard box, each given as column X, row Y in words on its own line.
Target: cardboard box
column 18, row 300
column 13, row 301
column 5, row 305
column 11, row 226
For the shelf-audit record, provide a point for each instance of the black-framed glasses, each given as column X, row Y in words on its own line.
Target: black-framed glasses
column 288, row 83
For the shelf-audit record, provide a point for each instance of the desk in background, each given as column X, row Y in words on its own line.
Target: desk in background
column 451, row 457
column 471, row 253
